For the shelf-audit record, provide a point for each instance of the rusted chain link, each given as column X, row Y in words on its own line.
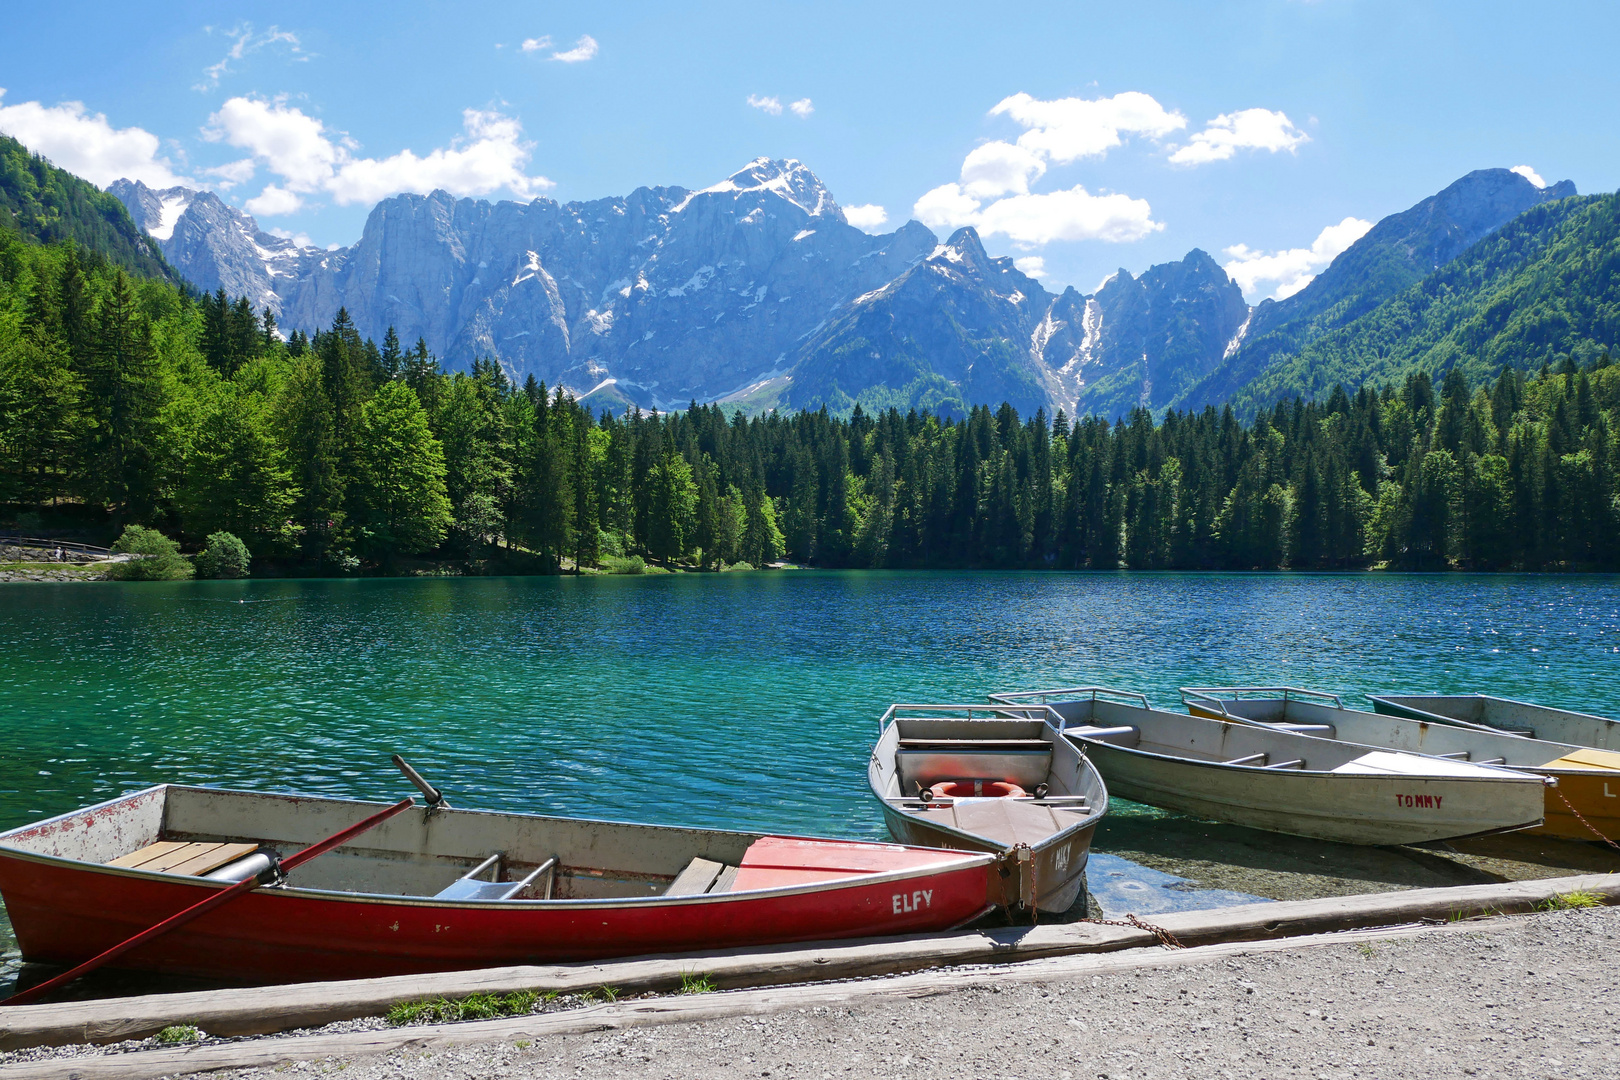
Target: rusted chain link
column 1166, row 938
column 1583, row 821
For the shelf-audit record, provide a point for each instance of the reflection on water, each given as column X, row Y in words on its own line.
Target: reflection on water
column 740, row 700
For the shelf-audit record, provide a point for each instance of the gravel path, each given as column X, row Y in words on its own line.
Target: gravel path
column 1531, row 996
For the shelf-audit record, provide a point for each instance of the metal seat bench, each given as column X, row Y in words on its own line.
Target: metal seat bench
column 470, row 886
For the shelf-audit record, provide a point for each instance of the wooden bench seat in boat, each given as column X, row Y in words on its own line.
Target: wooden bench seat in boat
column 175, row 857
column 702, row 876
column 1005, row 821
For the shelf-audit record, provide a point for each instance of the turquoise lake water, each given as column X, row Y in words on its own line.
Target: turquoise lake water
column 744, row 700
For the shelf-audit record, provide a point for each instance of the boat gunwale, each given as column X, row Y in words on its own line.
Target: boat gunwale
column 965, row 860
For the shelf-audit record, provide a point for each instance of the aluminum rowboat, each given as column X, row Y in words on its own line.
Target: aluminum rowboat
column 1044, row 833
column 1589, row 779
column 448, row 889
column 1484, row 712
column 1283, row 782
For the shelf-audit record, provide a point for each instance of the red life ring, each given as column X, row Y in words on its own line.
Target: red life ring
column 976, row 789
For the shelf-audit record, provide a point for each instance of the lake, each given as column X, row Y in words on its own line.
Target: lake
column 746, row 700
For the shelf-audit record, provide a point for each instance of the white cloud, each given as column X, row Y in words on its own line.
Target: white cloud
column 308, row 157
column 1529, row 174
column 766, row 104
column 301, row 239
column 1061, row 131
column 274, row 202
column 85, row 144
column 1291, row 270
column 1075, row 214
column 1033, row 265
column 490, row 157
column 869, row 216
column 292, row 145
column 535, row 44
column 244, row 41
column 1068, row 129
column 231, row 173
column 946, row 207
column 1246, row 129
column 802, row 108
column 997, row 168
column 585, row 48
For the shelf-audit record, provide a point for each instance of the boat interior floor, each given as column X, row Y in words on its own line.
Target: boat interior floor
column 1002, row 820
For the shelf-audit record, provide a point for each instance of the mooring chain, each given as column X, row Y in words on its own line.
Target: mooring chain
column 1583, row 821
column 1166, row 938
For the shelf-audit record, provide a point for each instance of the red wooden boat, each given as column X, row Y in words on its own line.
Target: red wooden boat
column 443, row 889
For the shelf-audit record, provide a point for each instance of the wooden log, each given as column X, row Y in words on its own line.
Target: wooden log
column 270, row 1052
column 268, row 1009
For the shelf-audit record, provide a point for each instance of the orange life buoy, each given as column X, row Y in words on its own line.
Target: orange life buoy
column 976, row 789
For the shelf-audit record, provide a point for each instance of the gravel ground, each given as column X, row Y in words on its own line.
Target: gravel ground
column 1530, row 996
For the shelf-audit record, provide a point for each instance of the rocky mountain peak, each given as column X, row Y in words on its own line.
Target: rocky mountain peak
column 155, row 211
column 785, row 179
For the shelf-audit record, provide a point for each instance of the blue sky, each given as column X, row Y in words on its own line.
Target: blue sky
column 1127, row 133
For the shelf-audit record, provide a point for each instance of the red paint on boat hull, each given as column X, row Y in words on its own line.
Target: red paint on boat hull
column 65, row 911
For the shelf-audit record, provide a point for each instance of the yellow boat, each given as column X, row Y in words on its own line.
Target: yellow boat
column 1588, row 779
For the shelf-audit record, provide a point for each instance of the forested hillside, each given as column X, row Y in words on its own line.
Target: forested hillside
column 1394, row 255
column 128, row 398
column 50, row 205
column 1544, row 287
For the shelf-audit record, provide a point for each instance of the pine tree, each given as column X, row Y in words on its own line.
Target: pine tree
column 124, row 391
column 401, row 507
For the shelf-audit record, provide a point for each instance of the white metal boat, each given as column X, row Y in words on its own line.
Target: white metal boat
column 985, row 778
column 1285, row 782
column 1588, row 779
column 1504, row 714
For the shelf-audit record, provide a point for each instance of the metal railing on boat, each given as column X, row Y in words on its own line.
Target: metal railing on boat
column 1235, row 693
column 986, row 712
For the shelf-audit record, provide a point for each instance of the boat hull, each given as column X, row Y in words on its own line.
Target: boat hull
column 1349, row 809
column 1588, row 780
column 1054, row 875
column 371, row 907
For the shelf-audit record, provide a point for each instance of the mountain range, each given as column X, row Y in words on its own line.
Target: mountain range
column 757, row 292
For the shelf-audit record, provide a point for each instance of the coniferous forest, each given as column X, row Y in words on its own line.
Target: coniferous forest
column 127, row 400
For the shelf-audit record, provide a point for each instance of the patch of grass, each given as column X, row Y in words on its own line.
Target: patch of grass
column 523, row 1044
column 1570, row 901
column 587, row 997
column 1464, row 914
column 610, row 994
column 179, row 1033
column 621, row 564
column 696, row 983
column 472, row 1007
column 1366, row 950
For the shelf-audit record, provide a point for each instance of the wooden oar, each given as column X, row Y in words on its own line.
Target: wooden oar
column 202, row 907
